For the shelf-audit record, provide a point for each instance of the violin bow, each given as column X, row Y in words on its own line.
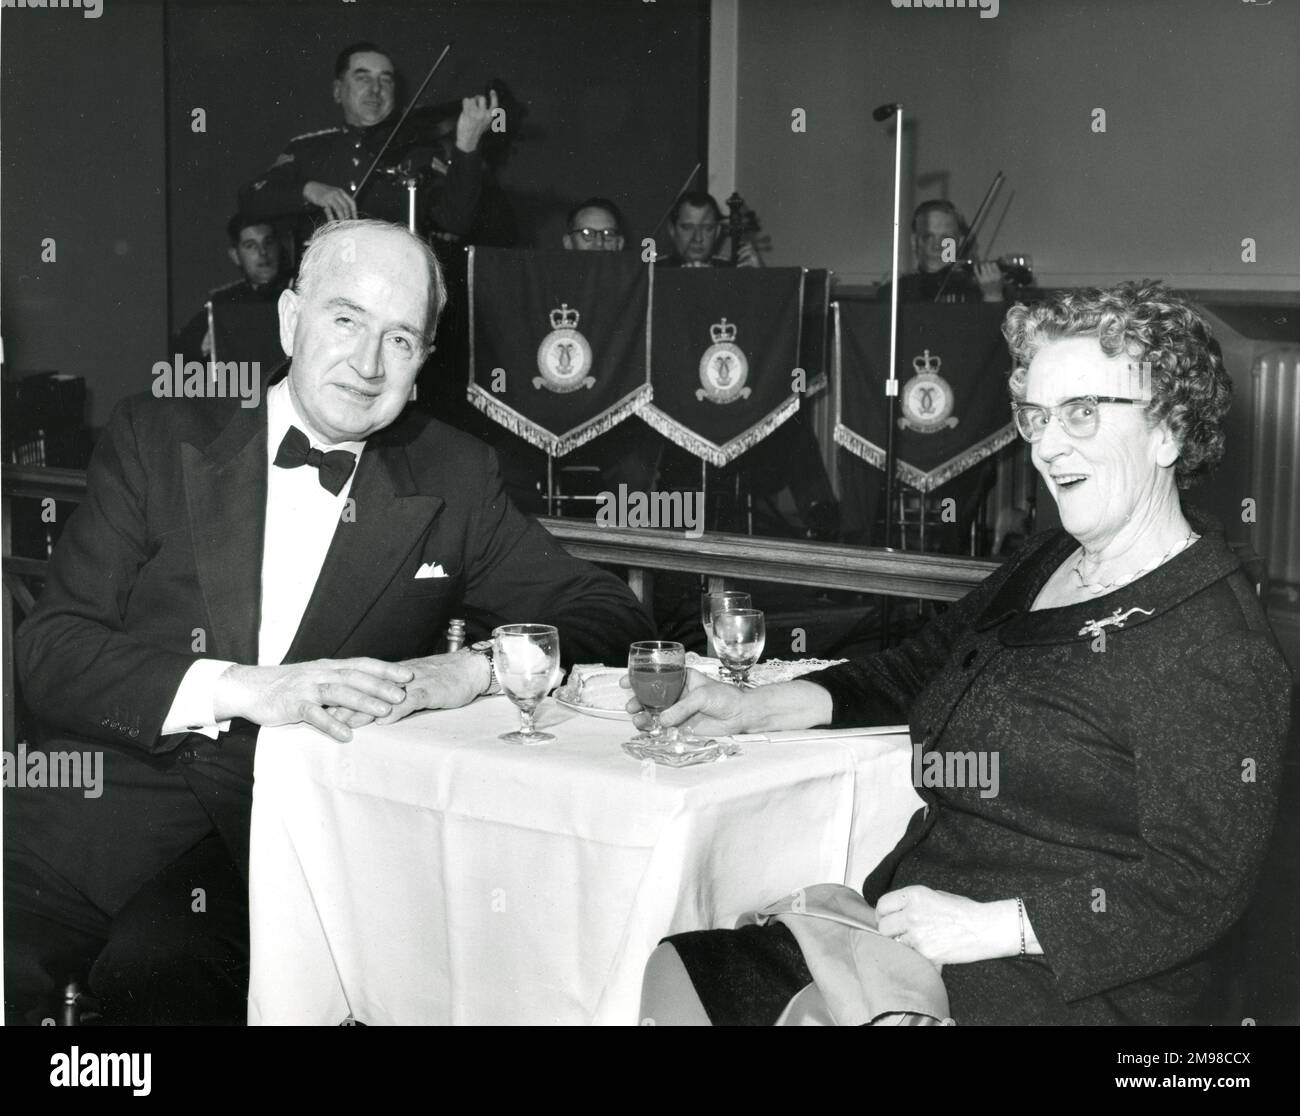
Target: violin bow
column 402, row 120
column 689, row 179
column 969, row 238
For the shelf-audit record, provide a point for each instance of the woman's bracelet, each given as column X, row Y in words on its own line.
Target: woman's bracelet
column 1020, row 909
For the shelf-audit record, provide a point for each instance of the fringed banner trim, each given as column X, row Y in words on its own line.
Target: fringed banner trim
column 964, row 460
column 855, row 443
column 919, row 479
column 558, row 445
column 708, row 451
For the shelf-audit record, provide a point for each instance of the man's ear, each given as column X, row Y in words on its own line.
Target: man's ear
column 568, row 241
column 289, row 306
column 234, row 258
column 338, row 92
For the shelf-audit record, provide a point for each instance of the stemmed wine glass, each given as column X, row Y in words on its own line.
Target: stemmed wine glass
column 656, row 670
column 526, row 658
column 739, row 635
column 712, row 603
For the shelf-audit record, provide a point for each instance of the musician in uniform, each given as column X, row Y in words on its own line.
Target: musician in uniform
column 696, row 228
column 325, row 169
column 789, row 457
column 938, row 230
column 255, row 250
column 594, row 225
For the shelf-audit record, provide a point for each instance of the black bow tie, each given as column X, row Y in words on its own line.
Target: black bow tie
column 334, row 467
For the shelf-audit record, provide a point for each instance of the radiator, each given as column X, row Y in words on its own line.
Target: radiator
column 1275, row 462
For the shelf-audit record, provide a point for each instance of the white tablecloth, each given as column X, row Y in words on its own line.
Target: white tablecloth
column 428, row 872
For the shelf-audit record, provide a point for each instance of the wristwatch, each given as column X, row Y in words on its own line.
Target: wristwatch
column 484, row 647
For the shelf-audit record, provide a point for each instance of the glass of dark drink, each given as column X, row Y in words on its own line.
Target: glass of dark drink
column 656, row 670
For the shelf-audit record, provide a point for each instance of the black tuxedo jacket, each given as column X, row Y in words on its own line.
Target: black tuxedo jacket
column 162, row 565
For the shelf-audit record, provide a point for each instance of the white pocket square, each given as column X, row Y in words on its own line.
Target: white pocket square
column 430, row 569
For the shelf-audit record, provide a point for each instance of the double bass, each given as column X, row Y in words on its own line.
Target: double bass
column 742, row 223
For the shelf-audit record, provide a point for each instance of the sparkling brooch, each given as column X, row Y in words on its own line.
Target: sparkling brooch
column 1114, row 620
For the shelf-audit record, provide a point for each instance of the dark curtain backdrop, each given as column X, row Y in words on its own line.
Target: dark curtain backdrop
column 616, row 96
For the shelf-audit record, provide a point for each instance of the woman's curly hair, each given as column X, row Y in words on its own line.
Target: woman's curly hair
column 1190, row 389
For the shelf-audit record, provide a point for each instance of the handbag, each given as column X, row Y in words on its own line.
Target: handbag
column 860, row 977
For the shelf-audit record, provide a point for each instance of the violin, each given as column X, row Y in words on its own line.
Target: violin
column 742, row 224
column 426, row 135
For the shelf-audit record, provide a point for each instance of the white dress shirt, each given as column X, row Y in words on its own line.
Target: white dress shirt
column 301, row 517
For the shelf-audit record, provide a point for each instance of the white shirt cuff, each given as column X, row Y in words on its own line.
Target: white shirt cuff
column 192, row 707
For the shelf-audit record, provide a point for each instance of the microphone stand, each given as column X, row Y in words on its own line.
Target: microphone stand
column 891, row 384
column 883, row 113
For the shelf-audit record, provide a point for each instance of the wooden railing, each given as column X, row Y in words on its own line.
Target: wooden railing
column 719, row 557
column 642, row 550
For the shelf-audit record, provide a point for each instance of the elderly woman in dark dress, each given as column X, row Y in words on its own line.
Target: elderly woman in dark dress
column 1124, row 672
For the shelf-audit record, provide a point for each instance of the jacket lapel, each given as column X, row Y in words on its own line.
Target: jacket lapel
column 368, row 547
column 225, row 484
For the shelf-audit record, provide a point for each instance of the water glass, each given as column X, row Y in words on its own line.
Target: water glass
column 739, row 634
column 526, row 658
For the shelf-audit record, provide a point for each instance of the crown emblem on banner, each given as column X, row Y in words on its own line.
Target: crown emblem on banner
column 927, row 399
column 564, row 318
column 722, row 331
column 926, row 365
column 564, row 356
column 724, row 368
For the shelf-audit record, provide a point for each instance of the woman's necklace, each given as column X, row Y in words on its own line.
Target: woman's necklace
column 1106, row 586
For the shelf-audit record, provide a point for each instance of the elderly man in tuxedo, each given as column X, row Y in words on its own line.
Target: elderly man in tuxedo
column 235, row 567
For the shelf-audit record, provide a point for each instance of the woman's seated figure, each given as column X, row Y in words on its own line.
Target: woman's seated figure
column 1122, row 669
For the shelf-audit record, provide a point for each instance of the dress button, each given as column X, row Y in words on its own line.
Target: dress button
column 133, row 733
column 971, row 656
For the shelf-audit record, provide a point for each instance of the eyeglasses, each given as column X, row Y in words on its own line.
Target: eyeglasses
column 1079, row 417
column 606, row 235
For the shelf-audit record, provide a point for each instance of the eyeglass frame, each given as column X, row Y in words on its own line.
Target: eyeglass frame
column 604, row 235
column 1053, row 413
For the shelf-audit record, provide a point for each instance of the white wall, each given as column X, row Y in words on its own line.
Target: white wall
column 1203, row 112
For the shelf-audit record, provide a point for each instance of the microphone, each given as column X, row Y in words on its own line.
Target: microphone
column 884, row 112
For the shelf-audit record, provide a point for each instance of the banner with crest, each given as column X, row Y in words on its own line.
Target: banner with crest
column 725, row 357
column 954, row 409
column 559, row 342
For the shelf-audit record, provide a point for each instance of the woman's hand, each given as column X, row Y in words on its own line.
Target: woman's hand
column 949, row 929
column 706, row 707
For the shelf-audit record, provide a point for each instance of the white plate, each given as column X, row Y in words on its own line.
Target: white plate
column 591, row 710
column 566, row 696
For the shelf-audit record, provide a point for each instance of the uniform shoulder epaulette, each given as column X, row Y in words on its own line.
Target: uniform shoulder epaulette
column 310, row 135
